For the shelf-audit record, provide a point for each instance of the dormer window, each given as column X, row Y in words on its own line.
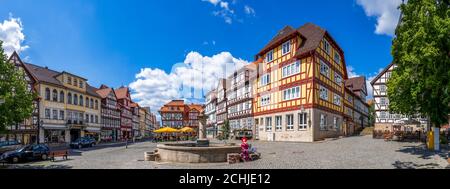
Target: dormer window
column 81, row 84
column 75, row 82
column 69, row 80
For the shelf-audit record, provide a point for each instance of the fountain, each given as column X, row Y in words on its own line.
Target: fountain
column 201, row 151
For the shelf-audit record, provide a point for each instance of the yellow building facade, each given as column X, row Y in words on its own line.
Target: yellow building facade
column 69, row 107
column 299, row 93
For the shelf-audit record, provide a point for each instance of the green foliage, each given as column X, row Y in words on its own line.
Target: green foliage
column 225, row 135
column 16, row 101
column 421, row 81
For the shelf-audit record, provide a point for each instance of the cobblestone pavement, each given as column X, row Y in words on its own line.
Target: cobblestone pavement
column 347, row 153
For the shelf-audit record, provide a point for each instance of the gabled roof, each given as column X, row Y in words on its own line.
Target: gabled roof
column 90, row 90
column 14, row 54
column 197, row 107
column 122, row 92
column 104, row 92
column 313, row 34
column 176, row 103
column 381, row 73
column 279, row 38
column 43, row 74
column 356, row 83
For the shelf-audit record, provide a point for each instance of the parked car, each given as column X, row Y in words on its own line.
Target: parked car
column 28, row 152
column 9, row 146
column 83, row 142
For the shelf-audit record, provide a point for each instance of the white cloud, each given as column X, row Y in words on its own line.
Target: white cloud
column 224, row 9
column 249, row 10
column 11, row 33
column 386, row 12
column 189, row 80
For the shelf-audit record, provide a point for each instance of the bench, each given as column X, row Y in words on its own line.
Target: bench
column 62, row 153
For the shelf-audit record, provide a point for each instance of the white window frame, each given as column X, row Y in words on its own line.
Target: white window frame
column 269, row 56
column 290, row 122
column 278, row 123
column 286, row 45
column 291, row 93
column 265, row 100
column 337, row 78
column 302, row 121
column 291, row 69
column 268, row 124
column 323, row 93
column 338, row 56
column 337, row 99
column 265, row 80
column 327, row 46
column 324, row 69
column 336, row 123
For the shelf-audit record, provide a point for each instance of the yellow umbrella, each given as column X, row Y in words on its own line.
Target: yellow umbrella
column 187, row 130
column 167, row 130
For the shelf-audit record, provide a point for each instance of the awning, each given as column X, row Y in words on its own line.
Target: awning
column 54, row 127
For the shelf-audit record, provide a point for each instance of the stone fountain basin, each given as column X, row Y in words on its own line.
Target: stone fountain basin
column 190, row 153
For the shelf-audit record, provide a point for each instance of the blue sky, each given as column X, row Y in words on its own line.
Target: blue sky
column 111, row 41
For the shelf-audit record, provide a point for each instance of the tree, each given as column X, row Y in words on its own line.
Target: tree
column 421, row 49
column 225, row 131
column 16, row 101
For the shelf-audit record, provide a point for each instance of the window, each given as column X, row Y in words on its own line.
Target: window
column 382, row 88
column 383, row 101
column 290, row 122
column 326, row 46
column 69, row 98
column 292, row 93
column 61, row 97
column 286, row 48
column 324, row 69
column 268, row 124
column 336, row 123
column 81, row 100
column 47, row 113
column 87, row 118
column 87, row 102
column 96, row 104
column 75, row 82
column 96, row 119
column 265, row 100
column 337, row 100
column 61, row 114
column 92, row 119
column 383, row 115
column 81, row 84
column 323, row 122
column 47, row 94
column 265, row 79
column 55, row 95
column 302, row 124
column 55, row 114
column 278, row 123
column 337, row 78
column 337, row 57
column 323, row 93
column 75, row 99
column 92, row 103
column 269, row 56
column 291, row 69
column 69, row 80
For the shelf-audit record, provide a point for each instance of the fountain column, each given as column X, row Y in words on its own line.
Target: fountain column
column 202, row 140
